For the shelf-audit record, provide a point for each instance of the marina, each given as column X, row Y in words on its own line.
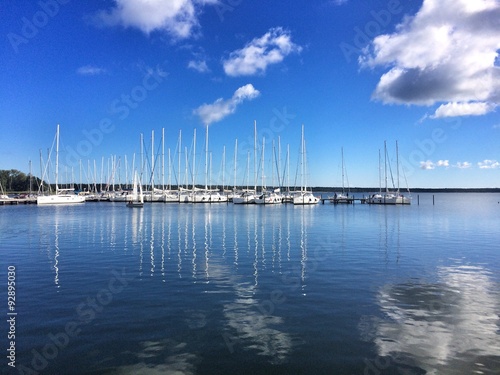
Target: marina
column 208, row 187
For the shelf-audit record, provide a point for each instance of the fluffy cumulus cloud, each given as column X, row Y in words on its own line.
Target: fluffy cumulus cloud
column 463, row 109
column 447, row 53
column 488, row 164
column 463, row 165
column 428, row 164
column 179, row 18
column 210, row 113
column 257, row 55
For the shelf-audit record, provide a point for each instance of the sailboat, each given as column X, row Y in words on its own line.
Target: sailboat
column 62, row 196
column 267, row 196
column 247, row 196
column 342, row 197
column 389, row 197
column 136, row 199
column 377, row 198
column 303, row 196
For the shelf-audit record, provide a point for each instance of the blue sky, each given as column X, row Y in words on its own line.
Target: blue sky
column 424, row 73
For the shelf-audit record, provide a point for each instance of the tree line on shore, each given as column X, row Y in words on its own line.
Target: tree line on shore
column 16, row 181
column 13, row 180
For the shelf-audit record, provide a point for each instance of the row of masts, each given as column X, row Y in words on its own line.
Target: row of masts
column 196, row 193
column 150, row 169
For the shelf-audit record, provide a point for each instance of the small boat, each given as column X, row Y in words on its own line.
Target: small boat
column 136, row 199
column 304, row 196
column 245, row 197
column 389, row 197
column 342, row 197
column 62, row 196
column 270, row 197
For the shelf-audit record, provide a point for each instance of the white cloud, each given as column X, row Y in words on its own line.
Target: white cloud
column 210, row 113
column 177, row 17
column 90, row 70
column 199, row 65
column 463, row 165
column 427, row 165
column 446, row 53
column 463, row 109
column 261, row 52
column 488, row 164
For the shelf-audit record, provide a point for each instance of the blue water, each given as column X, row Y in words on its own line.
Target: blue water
column 220, row 289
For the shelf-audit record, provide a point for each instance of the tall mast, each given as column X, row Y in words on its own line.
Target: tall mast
column 342, row 152
column 262, row 164
column 152, row 163
column 186, row 162
column 126, row 171
column 57, row 156
column 385, row 164
column 194, row 158
column 255, row 155
column 235, row 161
column 142, row 156
column 42, row 171
column 169, row 171
column 102, row 172
column 179, row 161
column 272, row 165
column 30, row 179
column 397, row 163
column 279, row 161
column 302, row 187
column 206, row 158
column 163, row 158
column 288, row 166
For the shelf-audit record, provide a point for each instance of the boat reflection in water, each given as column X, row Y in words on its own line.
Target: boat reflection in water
column 198, row 270
column 450, row 326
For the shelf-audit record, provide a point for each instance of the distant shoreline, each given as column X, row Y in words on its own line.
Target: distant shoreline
column 323, row 189
column 413, row 190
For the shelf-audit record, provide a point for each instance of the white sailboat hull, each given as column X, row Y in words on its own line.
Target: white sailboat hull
column 218, row 198
column 60, row 199
column 389, row 199
column 245, row 198
column 305, row 198
column 272, row 198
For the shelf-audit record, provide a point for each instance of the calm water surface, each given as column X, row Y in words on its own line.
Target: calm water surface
column 222, row 289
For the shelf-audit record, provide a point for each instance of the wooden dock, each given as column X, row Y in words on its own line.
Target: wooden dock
column 16, row 201
column 348, row 200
